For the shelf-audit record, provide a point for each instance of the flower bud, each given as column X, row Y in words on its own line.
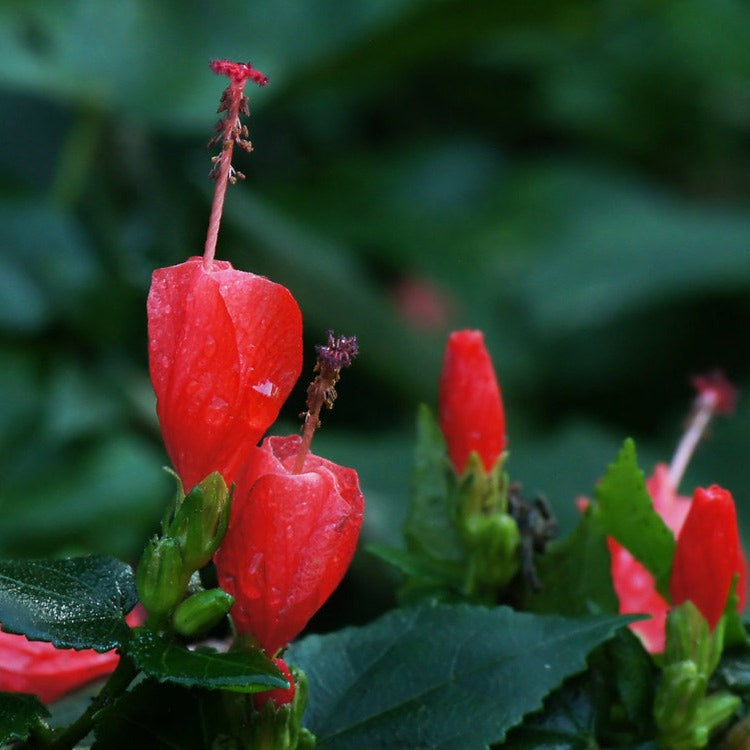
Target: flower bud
column 201, row 520
column 471, row 411
column 225, row 349
column 280, row 696
column 201, row 611
column 161, row 579
column 681, row 690
column 708, row 555
column 290, row 540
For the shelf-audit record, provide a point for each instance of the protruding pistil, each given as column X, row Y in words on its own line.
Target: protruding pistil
column 339, row 352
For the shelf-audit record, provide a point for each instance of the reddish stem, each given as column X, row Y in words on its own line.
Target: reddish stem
column 230, row 131
column 234, row 92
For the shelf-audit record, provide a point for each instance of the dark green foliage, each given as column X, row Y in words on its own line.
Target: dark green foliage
column 244, row 672
column 77, row 603
column 19, row 714
column 427, row 662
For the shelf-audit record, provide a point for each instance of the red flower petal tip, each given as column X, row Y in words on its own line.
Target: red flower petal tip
column 471, row 413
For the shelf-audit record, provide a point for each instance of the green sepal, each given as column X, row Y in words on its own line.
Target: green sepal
column 492, row 542
column 681, row 690
column 201, row 611
column 280, row 728
column 689, row 637
column 734, row 631
column 161, row 578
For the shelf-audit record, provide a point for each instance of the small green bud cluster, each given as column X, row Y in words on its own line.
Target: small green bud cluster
column 685, row 714
column 187, row 543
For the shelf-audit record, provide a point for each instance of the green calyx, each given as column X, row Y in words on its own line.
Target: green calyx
column 280, row 728
column 685, row 714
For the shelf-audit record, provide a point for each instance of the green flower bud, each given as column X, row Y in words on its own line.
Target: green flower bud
column 161, row 579
column 201, row 611
column 201, row 520
column 492, row 542
column 681, row 690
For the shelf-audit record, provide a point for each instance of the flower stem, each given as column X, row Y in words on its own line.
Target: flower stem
column 115, row 686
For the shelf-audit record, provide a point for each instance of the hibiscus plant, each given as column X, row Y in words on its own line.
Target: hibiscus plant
column 626, row 633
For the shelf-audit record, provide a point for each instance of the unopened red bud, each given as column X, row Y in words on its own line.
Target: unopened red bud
column 471, row 411
column 708, row 555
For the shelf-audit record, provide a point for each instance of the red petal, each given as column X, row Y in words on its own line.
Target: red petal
column 290, row 540
column 225, row 349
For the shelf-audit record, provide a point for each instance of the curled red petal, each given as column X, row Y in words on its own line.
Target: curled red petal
column 708, row 555
column 291, row 538
column 472, row 417
column 225, row 349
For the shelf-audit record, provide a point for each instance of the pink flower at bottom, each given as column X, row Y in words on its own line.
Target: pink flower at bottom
column 634, row 585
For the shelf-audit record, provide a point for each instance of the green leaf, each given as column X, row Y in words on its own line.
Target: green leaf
column 430, row 528
column 632, row 671
column 626, row 512
column 163, row 717
column 575, row 574
column 466, row 672
column 19, row 714
column 76, row 603
column 238, row 671
column 568, row 722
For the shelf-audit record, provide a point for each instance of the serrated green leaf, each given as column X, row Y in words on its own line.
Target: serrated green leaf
column 469, row 673
column 430, row 528
column 19, row 714
column 237, row 671
column 575, row 574
column 163, row 717
column 568, row 722
column 76, row 603
column 626, row 513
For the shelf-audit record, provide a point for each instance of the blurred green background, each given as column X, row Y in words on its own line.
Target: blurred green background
column 571, row 177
